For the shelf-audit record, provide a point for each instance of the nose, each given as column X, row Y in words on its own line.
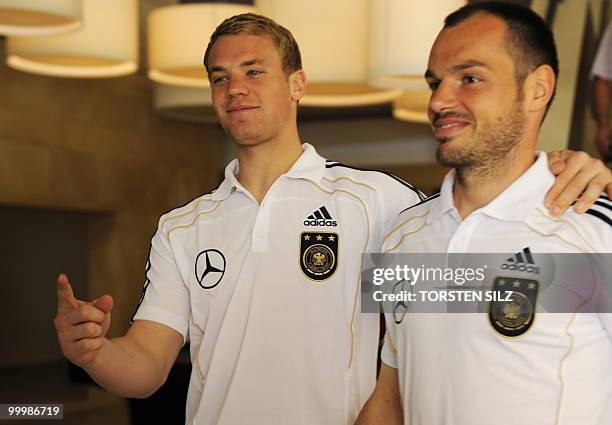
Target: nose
column 443, row 98
column 237, row 87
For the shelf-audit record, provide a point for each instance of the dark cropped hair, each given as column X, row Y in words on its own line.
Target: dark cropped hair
column 253, row 24
column 530, row 41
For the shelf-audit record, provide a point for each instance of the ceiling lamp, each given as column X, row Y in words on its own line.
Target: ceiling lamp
column 188, row 104
column 177, row 38
column 333, row 40
column 39, row 17
column 401, row 36
column 105, row 46
column 412, row 106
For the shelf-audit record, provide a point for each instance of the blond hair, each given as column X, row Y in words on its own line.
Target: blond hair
column 253, row 24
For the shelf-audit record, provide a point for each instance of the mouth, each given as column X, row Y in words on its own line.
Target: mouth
column 448, row 127
column 240, row 108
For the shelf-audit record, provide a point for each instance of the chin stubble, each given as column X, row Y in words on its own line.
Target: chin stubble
column 490, row 152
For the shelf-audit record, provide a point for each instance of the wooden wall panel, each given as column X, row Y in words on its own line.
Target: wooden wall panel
column 95, row 146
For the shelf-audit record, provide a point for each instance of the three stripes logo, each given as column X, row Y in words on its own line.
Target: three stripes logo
column 321, row 217
column 522, row 261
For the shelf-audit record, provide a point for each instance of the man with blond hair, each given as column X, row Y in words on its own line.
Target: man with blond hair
column 263, row 273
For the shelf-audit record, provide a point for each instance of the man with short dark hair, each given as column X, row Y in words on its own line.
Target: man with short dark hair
column 492, row 71
column 262, row 273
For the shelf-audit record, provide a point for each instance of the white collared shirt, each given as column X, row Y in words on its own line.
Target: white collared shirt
column 455, row 369
column 602, row 65
column 269, row 293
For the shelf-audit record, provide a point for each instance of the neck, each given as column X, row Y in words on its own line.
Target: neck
column 476, row 186
column 262, row 164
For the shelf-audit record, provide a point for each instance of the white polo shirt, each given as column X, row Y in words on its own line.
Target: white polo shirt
column 456, row 369
column 269, row 293
column 602, row 66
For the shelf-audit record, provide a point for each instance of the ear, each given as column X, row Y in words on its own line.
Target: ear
column 297, row 84
column 539, row 88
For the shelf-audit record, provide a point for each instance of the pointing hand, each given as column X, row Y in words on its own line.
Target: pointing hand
column 81, row 326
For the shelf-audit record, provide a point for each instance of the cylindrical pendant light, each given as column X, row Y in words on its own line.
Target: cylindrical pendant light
column 401, row 36
column 188, row 104
column 105, row 46
column 412, row 106
column 177, row 38
column 39, row 17
column 333, row 40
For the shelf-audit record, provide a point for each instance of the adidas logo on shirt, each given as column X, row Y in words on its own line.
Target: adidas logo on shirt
column 320, row 217
column 522, row 261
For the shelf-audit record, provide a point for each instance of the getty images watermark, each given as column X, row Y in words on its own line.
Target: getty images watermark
column 511, row 283
column 421, row 275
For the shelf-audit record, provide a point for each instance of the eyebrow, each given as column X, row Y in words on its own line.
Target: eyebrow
column 459, row 67
column 247, row 62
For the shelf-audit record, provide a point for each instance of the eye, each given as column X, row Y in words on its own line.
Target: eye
column 254, row 73
column 433, row 84
column 219, row 79
column 471, row 79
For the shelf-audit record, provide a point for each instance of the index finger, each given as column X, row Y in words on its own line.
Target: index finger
column 65, row 296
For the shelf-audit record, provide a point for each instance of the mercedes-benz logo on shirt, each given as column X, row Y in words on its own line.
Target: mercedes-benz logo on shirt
column 209, row 268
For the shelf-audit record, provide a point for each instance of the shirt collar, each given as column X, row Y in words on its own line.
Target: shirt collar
column 310, row 165
column 514, row 203
column 445, row 201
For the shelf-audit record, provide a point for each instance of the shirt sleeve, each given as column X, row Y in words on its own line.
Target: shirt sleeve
column 389, row 350
column 165, row 296
column 606, row 319
column 602, row 66
column 397, row 196
column 605, row 308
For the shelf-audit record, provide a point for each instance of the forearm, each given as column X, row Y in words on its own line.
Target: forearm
column 126, row 368
column 384, row 405
column 603, row 92
column 380, row 410
column 134, row 365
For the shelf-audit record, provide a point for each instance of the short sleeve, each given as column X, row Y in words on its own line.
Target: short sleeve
column 606, row 319
column 602, row 66
column 165, row 296
column 389, row 350
column 397, row 196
